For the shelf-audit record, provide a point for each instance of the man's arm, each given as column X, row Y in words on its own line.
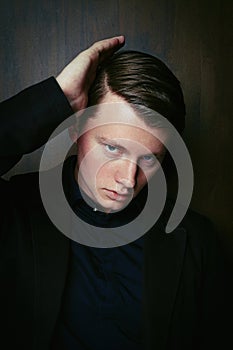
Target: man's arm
column 28, row 119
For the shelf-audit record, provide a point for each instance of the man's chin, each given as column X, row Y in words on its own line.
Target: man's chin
column 107, row 201
column 114, row 207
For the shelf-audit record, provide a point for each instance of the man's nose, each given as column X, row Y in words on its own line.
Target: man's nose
column 126, row 174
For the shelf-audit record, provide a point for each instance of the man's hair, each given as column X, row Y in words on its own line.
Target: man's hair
column 145, row 82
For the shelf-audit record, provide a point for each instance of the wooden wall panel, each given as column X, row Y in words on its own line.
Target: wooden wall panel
column 37, row 38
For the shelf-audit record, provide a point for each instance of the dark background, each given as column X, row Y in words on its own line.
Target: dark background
column 38, row 38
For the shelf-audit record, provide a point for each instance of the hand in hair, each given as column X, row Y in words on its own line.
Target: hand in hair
column 76, row 78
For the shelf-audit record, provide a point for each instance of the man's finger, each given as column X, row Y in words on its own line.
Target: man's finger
column 107, row 47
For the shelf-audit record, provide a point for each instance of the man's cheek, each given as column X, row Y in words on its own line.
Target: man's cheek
column 104, row 176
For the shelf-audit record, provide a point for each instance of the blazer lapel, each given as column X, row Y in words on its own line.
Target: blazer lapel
column 164, row 255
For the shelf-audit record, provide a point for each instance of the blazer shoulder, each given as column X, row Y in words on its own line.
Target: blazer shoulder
column 200, row 230
column 193, row 222
column 196, row 222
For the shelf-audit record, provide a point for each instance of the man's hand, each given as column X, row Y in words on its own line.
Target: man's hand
column 77, row 77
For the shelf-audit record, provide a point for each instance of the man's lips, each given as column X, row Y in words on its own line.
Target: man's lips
column 117, row 195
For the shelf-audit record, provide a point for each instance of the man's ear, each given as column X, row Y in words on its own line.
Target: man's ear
column 73, row 133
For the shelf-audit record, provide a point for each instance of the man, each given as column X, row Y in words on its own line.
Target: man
column 155, row 292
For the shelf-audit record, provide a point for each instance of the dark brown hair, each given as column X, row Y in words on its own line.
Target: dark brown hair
column 145, row 82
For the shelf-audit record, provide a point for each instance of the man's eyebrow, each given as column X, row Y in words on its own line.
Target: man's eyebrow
column 101, row 139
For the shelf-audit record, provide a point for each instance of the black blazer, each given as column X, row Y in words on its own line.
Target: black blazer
column 187, row 296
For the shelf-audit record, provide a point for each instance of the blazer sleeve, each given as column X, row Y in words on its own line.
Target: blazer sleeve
column 28, row 118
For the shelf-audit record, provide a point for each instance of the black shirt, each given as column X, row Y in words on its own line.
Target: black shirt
column 102, row 302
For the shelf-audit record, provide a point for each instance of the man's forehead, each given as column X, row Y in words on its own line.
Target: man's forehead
column 121, row 116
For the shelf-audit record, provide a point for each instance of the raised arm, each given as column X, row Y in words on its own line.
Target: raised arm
column 28, row 119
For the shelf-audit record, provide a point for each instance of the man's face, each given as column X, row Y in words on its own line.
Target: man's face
column 117, row 154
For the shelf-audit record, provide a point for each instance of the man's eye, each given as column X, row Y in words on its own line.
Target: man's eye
column 111, row 149
column 148, row 160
